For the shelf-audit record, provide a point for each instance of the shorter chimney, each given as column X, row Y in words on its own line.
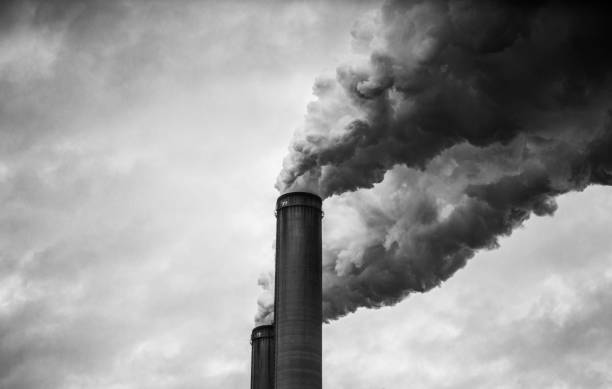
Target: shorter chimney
column 262, row 357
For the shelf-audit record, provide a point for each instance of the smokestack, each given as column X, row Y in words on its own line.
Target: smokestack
column 262, row 357
column 297, row 291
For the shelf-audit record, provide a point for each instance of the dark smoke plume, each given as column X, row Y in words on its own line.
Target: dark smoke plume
column 465, row 118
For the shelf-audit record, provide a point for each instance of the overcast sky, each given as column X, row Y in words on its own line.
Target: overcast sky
column 139, row 146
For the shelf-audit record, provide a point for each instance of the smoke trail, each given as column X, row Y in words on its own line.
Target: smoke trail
column 466, row 118
column 265, row 302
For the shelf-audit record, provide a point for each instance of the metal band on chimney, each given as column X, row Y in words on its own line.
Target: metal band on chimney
column 262, row 332
column 299, row 199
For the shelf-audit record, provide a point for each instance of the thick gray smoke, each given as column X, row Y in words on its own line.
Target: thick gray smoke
column 465, row 118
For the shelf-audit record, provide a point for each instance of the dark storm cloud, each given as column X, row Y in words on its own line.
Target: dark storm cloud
column 52, row 56
column 467, row 118
column 15, row 12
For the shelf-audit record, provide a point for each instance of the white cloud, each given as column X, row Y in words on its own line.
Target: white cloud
column 137, row 185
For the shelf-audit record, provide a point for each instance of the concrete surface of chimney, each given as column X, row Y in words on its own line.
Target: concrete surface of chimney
column 297, row 292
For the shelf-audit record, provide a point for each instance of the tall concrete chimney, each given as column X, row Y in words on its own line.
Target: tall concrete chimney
column 297, row 291
column 262, row 357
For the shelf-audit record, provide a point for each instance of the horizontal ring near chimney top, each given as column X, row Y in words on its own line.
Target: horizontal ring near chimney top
column 301, row 199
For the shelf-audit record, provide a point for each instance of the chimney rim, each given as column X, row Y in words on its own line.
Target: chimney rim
column 262, row 326
column 300, row 193
column 299, row 199
column 262, row 331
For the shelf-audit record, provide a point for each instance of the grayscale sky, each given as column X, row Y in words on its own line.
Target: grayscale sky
column 140, row 142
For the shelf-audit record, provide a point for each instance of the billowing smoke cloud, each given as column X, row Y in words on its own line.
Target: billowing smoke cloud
column 465, row 118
